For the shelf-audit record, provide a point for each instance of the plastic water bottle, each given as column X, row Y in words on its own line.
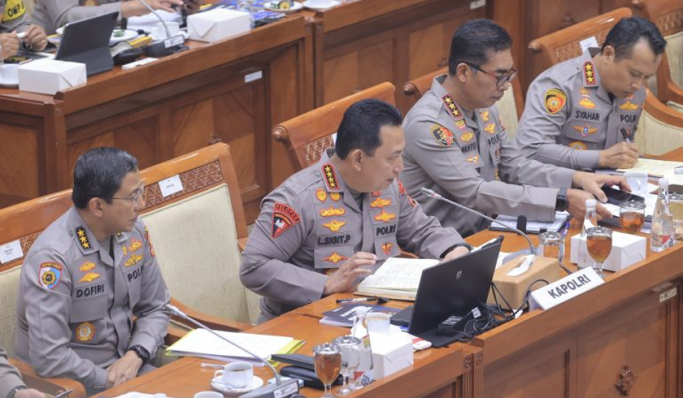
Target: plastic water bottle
column 662, row 235
column 363, row 374
column 590, row 220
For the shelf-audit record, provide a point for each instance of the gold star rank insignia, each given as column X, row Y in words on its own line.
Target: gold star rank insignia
column 589, row 74
column 384, row 216
column 334, row 225
column 330, row 177
column 451, row 107
column 83, row 238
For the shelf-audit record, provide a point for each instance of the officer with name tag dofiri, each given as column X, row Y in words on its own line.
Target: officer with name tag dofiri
column 583, row 113
column 91, row 299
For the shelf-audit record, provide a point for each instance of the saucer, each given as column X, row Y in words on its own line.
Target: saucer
column 218, row 385
column 296, row 6
column 310, row 6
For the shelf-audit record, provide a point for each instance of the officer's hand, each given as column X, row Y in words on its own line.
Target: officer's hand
column 124, row 369
column 29, row 393
column 455, row 253
column 192, row 6
column 344, row 279
column 619, row 156
column 165, row 5
column 35, row 39
column 136, row 9
column 577, row 205
column 9, row 43
column 592, row 183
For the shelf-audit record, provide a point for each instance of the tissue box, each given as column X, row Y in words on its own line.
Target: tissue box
column 217, row 24
column 48, row 76
column 514, row 288
column 390, row 353
column 627, row 250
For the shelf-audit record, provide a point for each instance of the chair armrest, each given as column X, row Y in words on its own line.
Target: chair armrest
column 180, row 327
column 673, row 93
column 48, row 385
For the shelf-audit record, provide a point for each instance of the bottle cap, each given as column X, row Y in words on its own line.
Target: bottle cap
column 591, row 203
column 664, row 182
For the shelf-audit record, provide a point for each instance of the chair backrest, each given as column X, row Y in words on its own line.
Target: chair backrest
column 195, row 232
column 306, row 136
column 510, row 106
column 666, row 123
column 668, row 16
column 20, row 226
column 565, row 44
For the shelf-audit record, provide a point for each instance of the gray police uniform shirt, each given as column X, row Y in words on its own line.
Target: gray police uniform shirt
column 13, row 15
column 9, row 375
column 569, row 116
column 53, row 14
column 311, row 224
column 76, row 304
column 471, row 160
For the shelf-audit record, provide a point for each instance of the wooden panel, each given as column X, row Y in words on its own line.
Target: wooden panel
column 635, row 337
column 193, row 126
column 377, row 64
column 426, row 50
column 76, row 149
column 341, row 76
column 19, row 162
column 543, row 370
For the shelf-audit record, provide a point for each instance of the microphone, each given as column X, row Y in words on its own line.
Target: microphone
column 165, row 47
column 431, row 194
column 281, row 388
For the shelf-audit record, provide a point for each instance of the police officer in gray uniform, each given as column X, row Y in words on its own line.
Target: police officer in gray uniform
column 457, row 146
column 88, row 275
column 11, row 385
column 340, row 219
column 583, row 113
column 53, row 14
column 13, row 17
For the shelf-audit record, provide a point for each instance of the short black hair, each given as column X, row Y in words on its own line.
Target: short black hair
column 627, row 32
column 99, row 173
column 361, row 125
column 472, row 42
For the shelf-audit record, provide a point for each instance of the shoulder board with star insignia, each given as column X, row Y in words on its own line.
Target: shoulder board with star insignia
column 451, row 106
column 83, row 238
column 330, row 177
column 589, row 79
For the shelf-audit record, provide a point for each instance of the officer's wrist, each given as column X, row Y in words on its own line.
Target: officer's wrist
column 141, row 352
column 14, row 391
column 455, row 246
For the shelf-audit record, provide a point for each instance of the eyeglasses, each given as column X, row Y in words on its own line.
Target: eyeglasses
column 501, row 79
column 135, row 197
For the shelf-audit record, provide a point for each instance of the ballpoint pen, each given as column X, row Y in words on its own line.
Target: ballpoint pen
column 625, row 135
column 380, row 300
column 64, row 393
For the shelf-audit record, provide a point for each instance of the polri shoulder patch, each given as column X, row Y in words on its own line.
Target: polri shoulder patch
column 284, row 217
column 554, row 100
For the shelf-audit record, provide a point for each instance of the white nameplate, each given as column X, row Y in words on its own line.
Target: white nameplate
column 11, row 251
column 170, row 186
column 477, row 4
column 588, row 43
column 565, row 289
column 253, row 76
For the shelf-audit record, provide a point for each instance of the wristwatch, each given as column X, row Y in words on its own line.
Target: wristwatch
column 141, row 352
column 450, row 249
column 14, row 391
column 561, row 203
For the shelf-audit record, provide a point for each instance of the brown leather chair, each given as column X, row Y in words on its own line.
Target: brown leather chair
column 306, row 136
column 510, row 106
column 668, row 16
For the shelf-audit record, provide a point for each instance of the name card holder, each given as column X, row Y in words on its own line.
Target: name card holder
column 565, row 289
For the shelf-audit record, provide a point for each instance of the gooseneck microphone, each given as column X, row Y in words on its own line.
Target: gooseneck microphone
column 431, row 194
column 165, row 47
column 281, row 388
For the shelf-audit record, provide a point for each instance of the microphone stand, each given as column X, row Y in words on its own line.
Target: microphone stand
column 280, row 389
column 433, row 195
column 164, row 47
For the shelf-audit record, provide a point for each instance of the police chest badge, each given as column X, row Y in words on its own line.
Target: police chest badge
column 49, row 275
column 284, row 217
column 321, row 194
column 380, row 203
column 585, row 130
column 386, row 248
column 578, row 145
column 89, row 277
column 334, row 225
column 335, row 258
column 442, row 135
column 554, row 100
column 384, row 216
column 333, row 211
column 85, row 331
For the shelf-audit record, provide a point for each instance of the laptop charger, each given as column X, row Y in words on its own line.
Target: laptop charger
column 456, row 324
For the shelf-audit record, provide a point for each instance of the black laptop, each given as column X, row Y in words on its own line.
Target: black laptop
column 452, row 288
column 87, row 41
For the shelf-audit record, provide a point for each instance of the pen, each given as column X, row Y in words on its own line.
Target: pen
column 64, row 393
column 211, row 365
column 356, row 300
column 623, row 134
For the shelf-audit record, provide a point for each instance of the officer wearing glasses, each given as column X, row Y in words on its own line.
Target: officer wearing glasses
column 457, row 146
column 87, row 278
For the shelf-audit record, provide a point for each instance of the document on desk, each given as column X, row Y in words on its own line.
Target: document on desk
column 397, row 278
column 201, row 343
column 653, row 167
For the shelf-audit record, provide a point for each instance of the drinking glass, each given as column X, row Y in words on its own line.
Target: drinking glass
column 676, row 206
column 350, row 357
column 632, row 216
column 327, row 359
column 599, row 242
column 551, row 244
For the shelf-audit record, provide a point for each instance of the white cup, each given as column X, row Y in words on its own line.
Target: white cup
column 159, row 32
column 637, row 180
column 321, row 3
column 208, row 394
column 378, row 322
column 236, row 374
column 9, row 73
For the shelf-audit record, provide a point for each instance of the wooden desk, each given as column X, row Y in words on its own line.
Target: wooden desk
column 165, row 109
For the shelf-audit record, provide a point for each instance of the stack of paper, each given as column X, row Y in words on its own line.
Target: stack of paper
column 202, row 343
column 398, row 278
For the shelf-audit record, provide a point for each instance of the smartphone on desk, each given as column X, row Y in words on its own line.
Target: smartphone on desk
column 617, row 197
